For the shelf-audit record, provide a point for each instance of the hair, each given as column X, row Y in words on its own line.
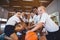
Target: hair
column 17, row 24
column 33, row 8
column 17, row 11
column 43, row 7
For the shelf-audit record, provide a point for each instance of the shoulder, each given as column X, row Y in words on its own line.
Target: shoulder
column 45, row 15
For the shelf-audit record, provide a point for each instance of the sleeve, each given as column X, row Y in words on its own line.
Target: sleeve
column 43, row 18
column 18, row 20
column 33, row 17
column 30, row 20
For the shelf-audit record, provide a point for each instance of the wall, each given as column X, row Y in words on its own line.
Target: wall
column 59, row 10
column 53, row 7
column 3, row 13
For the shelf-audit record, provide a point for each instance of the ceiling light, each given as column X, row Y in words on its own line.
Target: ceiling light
column 11, row 12
column 27, row 6
column 43, row 1
column 27, row 0
column 16, row 6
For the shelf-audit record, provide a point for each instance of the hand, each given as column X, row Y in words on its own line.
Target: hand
column 29, row 31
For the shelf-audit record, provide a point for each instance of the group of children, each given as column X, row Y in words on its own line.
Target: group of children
column 32, row 22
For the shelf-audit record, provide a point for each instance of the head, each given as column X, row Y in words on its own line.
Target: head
column 18, row 27
column 41, row 9
column 18, row 14
column 34, row 10
column 23, row 13
column 32, row 14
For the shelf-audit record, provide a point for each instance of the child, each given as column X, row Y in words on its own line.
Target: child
column 10, row 26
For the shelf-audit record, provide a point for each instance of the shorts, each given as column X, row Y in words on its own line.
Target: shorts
column 53, row 35
column 9, row 29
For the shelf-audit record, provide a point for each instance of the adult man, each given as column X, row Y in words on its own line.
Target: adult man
column 50, row 26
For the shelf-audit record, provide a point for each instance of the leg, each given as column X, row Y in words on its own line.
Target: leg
column 43, row 37
column 58, row 35
column 14, row 36
column 51, row 36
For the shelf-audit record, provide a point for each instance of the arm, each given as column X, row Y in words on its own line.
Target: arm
column 41, row 22
column 39, row 25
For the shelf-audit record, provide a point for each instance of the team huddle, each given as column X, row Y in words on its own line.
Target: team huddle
column 37, row 23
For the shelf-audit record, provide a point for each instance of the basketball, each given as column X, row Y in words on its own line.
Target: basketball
column 31, row 36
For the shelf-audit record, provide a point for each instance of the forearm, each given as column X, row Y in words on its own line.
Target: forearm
column 38, row 26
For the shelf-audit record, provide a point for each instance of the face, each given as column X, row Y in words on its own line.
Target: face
column 19, row 27
column 18, row 14
column 32, row 14
column 35, row 10
column 39, row 10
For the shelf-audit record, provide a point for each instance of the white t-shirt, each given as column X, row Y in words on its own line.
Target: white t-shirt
column 49, row 25
column 25, row 20
column 18, row 33
column 31, row 19
column 13, row 20
column 36, row 19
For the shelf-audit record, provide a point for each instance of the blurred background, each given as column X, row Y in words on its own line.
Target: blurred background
column 8, row 8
